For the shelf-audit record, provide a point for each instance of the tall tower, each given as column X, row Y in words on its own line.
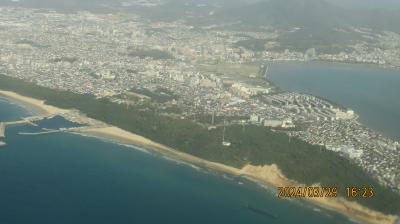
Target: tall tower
column 225, row 143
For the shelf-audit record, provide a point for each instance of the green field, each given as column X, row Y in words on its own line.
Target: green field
column 234, row 71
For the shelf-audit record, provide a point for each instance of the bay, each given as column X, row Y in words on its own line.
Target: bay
column 372, row 92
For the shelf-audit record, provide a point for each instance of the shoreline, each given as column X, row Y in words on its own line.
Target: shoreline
column 31, row 102
column 345, row 63
column 269, row 175
column 358, row 117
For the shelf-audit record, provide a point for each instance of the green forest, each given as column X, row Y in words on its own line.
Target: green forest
column 254, row 145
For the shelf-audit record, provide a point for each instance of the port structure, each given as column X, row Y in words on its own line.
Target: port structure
column 2, row 130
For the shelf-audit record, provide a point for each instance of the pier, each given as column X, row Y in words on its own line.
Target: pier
column 2, row 130
column 28, row 120
column 50, row 131
column 39, row 133
column 2, row 133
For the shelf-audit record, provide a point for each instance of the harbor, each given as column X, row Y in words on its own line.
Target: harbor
column 28, row 120
column 80, row 123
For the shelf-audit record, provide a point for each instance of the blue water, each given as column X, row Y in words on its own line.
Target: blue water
column 371, row 92
column 65, row 178
column 10, row 111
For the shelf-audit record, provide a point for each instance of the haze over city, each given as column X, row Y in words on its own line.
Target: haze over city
column 231, row 107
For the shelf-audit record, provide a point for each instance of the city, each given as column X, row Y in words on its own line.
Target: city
column 188, row 73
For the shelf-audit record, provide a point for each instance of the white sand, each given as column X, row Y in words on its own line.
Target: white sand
column 46, row 109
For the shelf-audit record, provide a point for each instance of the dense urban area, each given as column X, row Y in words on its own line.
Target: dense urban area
column 203, row 74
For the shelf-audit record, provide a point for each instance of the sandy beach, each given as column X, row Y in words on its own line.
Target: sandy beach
column 269, row 175
column 39, row 104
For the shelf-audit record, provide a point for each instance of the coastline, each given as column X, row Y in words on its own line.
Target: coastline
column 362, row 117
column 345, row 63
column 269, row 175
column 38, row 104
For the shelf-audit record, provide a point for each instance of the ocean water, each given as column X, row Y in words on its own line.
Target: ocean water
column 66, row 178
column 10, row 111
column 371, row 92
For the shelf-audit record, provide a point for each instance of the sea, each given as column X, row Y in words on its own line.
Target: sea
column 372, row 92
column 68, row 178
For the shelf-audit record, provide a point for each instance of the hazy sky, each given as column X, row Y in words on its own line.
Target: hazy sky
column 390, row 4
column 387, row 4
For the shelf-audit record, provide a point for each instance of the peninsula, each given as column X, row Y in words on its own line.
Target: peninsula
column 270, row 175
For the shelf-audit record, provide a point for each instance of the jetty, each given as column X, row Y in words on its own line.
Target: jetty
column 31, row 120
column 45, row 131
column 2, row 130
column 2, row 134
column 28, row 120
column 39, row 133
